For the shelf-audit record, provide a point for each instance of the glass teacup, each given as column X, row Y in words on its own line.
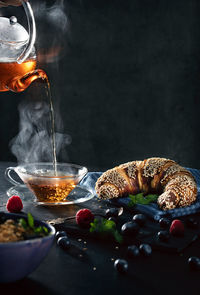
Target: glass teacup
column 46, row 185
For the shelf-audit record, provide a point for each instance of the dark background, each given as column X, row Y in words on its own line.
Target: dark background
column 125, row 83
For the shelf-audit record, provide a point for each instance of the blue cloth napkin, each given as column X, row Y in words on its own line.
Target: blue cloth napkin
column 152, row 209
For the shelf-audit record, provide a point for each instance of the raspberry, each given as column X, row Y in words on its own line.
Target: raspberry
column 84, row 217
column 14, row 204
column 176, row 228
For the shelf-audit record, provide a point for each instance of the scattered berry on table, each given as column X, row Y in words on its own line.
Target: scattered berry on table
column 130, row 228
column 60, row 234
column 164, row 222
column 112, row 212
column 163, row 235
column 140, row 219
column 194, row 263
column 177, row 228
column 113, row 219
column 64, row 243
column 133, row 251
column 14, row 204
column 145, row 249
column 121, row 265
column 84, row 217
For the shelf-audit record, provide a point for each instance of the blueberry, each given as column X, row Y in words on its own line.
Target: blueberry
column 130, row 228
column 121, row 265
column 192, row 223
column 163, row 235
column 133, row 251
column 112, row 219
column 60, row 234
column 145, row 249
column 112, row 212
column 63, row 242
column 140, row 219
column 164, row 222
column 194, row 263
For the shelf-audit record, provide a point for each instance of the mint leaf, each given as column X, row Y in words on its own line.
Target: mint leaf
column 38, row 230
column 141, row 199
column 45, row 230
column 106, row 226
column 30, row 220
column 94, row 226
column 41, row 230
column 23, row 223
column 29, row 225
column 151, row 197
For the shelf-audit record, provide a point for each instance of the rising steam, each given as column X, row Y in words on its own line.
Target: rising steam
column 52, row 30
column 34, row 141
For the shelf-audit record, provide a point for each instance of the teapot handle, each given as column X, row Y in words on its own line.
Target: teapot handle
column 32, row 32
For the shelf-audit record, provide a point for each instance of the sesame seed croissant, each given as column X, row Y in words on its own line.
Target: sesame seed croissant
column 174, row 184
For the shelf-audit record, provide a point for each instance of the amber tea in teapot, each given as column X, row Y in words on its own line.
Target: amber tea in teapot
column 17, row 77
column 17, row 53
column 11, row 71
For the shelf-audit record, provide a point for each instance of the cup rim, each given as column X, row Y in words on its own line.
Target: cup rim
column 84, row 172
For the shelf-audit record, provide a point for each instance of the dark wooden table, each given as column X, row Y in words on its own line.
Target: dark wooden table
column 87, row 268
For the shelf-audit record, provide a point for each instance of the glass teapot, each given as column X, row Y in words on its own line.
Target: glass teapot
column 17, row 53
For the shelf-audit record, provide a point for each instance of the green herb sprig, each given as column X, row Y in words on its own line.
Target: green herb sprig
column 106, row 226
column 30, row 225
column 141, row 199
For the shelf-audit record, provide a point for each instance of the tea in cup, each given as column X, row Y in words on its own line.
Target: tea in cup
column 48, row 186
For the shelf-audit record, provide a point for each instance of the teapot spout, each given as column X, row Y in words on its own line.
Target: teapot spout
column 19, row 85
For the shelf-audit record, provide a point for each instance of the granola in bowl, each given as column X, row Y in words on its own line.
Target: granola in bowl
column 20, row 229
column 10, row 231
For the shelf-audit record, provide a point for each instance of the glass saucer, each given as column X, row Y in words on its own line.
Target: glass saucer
column 79, row 194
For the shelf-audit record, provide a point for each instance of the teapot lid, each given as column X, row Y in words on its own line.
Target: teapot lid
column 12, row 32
